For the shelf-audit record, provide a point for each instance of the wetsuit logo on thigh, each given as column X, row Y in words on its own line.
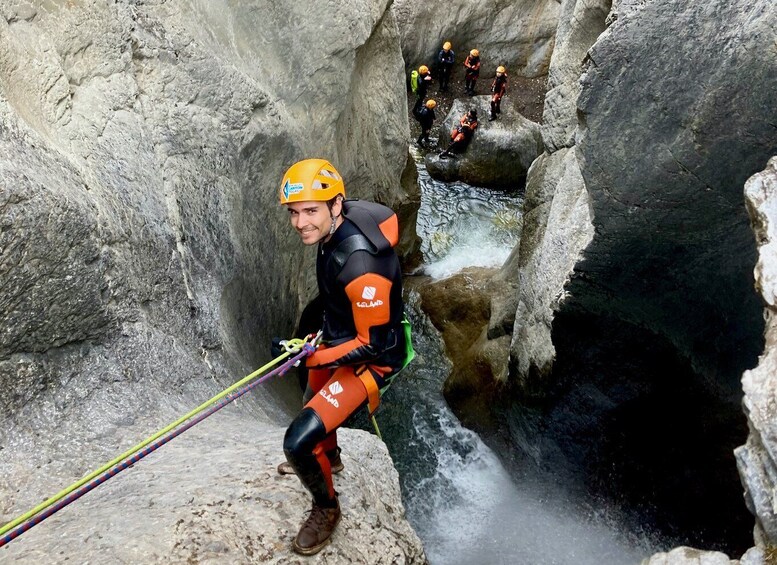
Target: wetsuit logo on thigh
column 335, row 388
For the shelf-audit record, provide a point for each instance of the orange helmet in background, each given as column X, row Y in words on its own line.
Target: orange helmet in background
column 431, row 104
column 423, row 69
column 447, row 46
column 500, row 69
column 311, row 180
column 475, row 53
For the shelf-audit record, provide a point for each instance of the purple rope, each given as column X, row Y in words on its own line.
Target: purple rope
column 307, row 349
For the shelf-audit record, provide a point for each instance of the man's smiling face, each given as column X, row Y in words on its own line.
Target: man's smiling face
column 312, row 220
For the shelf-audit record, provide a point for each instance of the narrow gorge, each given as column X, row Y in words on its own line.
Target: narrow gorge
column 613, row 342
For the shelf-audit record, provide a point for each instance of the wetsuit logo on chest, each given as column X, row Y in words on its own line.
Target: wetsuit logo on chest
column 369, row 293
column 335, row 388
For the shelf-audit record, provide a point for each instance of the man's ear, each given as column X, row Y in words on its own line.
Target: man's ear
column 337, row 207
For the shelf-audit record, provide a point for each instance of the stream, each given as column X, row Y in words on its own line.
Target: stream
column 464, row 504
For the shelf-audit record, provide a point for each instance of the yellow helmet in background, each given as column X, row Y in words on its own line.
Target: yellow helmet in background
column 500, row 69
column 447, row 45
column 475, row 53
column 311, row 180
column 423, row 69
column 431, row 104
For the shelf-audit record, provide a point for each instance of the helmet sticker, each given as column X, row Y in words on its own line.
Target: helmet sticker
column 289, row 189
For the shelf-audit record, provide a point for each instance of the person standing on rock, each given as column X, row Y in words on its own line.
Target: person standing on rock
column 445, row 60
column 461, row 134
column 363, row 341
column 498, row 90
column 472, row 72
column 424, row 80
column 425, row 116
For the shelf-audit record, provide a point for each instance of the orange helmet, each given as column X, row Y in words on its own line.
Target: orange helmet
column 447, row 45
column 431, row 104
column 475, row 53
column 311, row 180
column 500, row 69
column 423, row 69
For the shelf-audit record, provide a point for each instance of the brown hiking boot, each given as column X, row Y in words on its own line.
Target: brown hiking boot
column 317, row 530
column 335, row 462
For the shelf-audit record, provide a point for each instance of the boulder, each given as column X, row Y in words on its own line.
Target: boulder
column 500, row 152
column 459, row 307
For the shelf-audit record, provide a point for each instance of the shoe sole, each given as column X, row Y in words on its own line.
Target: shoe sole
column 316, row 548
column 335, row 470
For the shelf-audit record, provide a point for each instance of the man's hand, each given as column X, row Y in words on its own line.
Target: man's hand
column 276, row 348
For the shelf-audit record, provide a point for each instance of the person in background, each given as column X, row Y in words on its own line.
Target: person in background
column 498, row 90
column 360, row 312
column 445, row 60
column 472, row 72
column 462, row 134
column 424, row 80
column 425, row 116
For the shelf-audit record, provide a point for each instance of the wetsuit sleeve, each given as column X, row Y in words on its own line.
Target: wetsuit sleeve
column 369, row 294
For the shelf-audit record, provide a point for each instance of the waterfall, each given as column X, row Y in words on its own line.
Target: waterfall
column 464, row 504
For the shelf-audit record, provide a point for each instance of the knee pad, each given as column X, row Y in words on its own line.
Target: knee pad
column 305, row 432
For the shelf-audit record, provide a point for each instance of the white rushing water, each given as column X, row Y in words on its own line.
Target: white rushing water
column 465, row 226
column 461, row 500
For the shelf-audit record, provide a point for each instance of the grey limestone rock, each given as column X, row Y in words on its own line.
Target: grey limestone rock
column 144, row 258
column 557, row 228
column 757, row 459
column 213, row 496
column 664, row 151
column 580, row 24
column 518, row 34
column 689, row 556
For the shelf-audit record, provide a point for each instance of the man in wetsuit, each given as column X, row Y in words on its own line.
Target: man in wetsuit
column 472, row 71
column 462, row 134
column 425, row 116
column 445, row 60
column 498, row 90
column 424, row 80
column 360, row 293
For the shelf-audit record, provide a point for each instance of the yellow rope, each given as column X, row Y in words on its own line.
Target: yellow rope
column 291, row 346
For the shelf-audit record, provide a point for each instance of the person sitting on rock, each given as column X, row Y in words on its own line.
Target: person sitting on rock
column 425, row 116
column 445, row 61
column 472, row 66
column 363, row 342
column 498, row 90
column 424, row 80
column 462, row 134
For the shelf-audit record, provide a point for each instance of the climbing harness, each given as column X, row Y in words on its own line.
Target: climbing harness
column 409, row 356
column 295, row 351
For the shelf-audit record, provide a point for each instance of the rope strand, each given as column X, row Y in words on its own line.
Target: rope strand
column 131, row 456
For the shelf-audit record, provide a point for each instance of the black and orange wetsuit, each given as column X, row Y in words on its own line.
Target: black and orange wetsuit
column 498, row 89
column 360, row 286
column 471, row 74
